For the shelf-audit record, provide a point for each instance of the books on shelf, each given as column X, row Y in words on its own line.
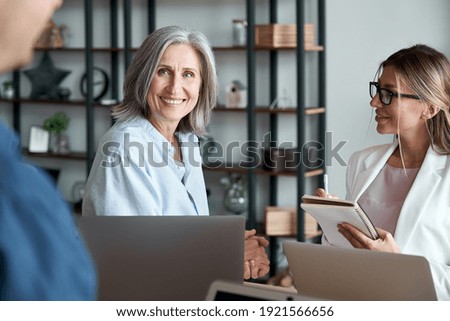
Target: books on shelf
column 329, row 212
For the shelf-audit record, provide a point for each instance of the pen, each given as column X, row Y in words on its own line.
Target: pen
column 325, row 183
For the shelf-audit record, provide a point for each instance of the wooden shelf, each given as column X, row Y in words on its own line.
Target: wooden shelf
column 288, row 110
column 70, row 156
column 229, row 48
column 214, row 48
column 235, row 168
column 263, row 48
column 259, row 109
column 74, row 102
column 315, row 48
column 309, row 49
column 68, row 49
column 230, row 109
column 121, row 49
column 81, row 49
column 311, row 236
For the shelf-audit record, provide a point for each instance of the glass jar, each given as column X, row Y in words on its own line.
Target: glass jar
column 239, row 32
column 60, row 144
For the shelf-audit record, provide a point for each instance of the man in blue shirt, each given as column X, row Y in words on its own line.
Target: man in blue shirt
column 41, row 254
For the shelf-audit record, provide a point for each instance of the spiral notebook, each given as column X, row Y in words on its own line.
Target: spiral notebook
column 329, row 212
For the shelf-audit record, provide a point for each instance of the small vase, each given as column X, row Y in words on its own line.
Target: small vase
column 236, row 199
column 61, row 144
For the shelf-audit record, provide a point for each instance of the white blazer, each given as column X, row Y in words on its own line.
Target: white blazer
column 423, row 227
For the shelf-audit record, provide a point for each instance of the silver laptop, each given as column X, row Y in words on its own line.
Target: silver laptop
column 163, row 258
column 335, row 273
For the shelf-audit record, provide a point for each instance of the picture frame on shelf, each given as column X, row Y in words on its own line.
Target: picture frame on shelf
column 39, row 139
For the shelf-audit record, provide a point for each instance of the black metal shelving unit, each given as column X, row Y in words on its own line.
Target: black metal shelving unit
column 114, row 51
column 301, row 112
column 301, row 98
column 88, row 103
column 89, row 61
column 251, row 102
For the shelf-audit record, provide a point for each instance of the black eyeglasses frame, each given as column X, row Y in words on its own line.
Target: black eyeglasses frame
column 390, row 93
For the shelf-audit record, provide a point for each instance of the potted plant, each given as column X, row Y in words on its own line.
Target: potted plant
column 56, row 125
column 8, row 89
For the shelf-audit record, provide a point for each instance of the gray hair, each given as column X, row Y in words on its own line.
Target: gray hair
column 142, row 69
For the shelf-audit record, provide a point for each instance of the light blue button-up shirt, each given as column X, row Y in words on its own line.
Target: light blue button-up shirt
column 134, row 173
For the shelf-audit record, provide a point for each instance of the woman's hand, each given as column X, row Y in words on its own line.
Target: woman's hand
column 358, row 239
column 321, row 193
column 256, row 262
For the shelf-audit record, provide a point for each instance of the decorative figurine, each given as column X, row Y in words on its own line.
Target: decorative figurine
column 236, row 95
column 45, row 79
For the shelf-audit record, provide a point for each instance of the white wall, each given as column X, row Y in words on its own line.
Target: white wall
column 361, row 34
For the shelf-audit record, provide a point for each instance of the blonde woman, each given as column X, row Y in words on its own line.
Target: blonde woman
column 405, row 186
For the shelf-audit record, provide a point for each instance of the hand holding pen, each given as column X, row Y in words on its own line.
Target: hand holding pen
column 323, row 192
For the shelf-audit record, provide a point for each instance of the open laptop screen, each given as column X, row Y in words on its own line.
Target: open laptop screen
column 336, row 273
column 163, row 257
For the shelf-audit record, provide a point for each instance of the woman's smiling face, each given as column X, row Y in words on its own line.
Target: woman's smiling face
column 402, row 115
column 175, row 87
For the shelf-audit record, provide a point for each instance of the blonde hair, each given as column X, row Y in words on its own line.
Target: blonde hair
column 142, row 69
column 427, row 72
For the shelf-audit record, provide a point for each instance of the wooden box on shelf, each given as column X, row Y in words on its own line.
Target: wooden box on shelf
column 276, row 35
column 284, row 36
column 308, row 37
column 282, row 221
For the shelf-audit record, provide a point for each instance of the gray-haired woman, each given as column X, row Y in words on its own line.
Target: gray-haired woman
column 149, row 162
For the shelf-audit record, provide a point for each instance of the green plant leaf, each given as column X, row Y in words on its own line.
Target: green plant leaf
column 57, row 123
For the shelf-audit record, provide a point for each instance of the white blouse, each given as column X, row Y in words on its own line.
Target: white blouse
column 384, row 198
